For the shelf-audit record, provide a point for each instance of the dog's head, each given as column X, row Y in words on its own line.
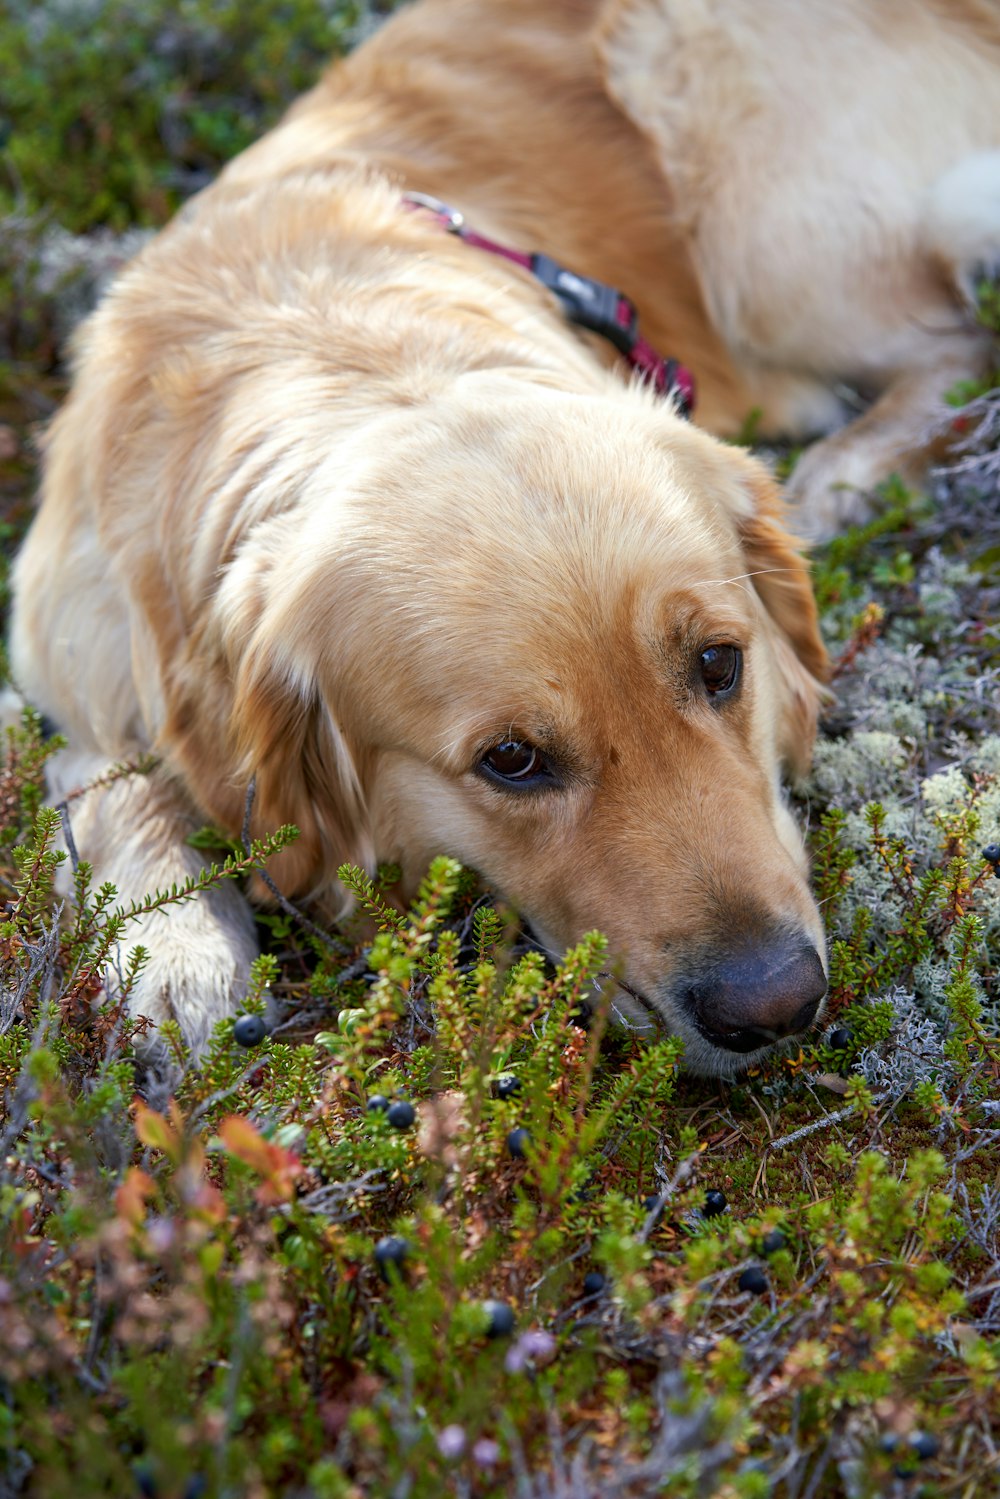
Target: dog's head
column 566, row 640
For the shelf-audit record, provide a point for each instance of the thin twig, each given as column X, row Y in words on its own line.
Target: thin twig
column 837, row 1117
column 63, row 809
column 684, row 1170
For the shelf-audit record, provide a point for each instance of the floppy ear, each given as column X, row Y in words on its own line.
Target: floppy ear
column 780, row 575
column 241, row 702
column 305, row 772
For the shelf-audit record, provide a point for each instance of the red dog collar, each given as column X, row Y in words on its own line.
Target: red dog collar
column 588, row 303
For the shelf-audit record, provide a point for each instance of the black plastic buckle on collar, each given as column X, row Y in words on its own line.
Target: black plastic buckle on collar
column 589, row 303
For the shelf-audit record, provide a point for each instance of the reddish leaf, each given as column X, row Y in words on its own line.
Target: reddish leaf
column 133, row 1194
column 277, row 1167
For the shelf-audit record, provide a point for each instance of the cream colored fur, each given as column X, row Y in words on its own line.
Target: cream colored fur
column 837, row 170
column 339, row 502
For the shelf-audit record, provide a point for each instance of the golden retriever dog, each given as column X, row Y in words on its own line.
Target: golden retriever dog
column 345, row 505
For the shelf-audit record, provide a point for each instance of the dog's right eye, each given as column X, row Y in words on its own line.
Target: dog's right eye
column 515, row 762
column 721, row 666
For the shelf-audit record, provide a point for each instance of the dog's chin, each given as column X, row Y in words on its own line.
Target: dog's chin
column 705, row 1059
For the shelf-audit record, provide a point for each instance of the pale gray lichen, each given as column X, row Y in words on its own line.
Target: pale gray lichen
column 860, row 768
column 913, row 1054
column 916, row 728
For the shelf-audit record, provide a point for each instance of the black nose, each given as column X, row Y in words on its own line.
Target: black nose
column 752, row 997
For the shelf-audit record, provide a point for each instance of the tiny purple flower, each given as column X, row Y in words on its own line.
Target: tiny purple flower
column 531, row 1345
column 161, row 1234
column 486, row 1453
column 451, row 1442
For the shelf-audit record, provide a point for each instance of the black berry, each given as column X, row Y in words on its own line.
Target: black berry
column 842, row 1039
column 923, row 1445
column 390, row 1251
column 401, row 1114
column 593, row 1283
column 516, row 1142
column 501, row 1319
column 772, row 1242
column 991, row 853
column 145, row 1481
column 507, row 1085
column 377, row 1104
column 753, row 1279
column 585, row 1191
column 888, row 1442
column 249, row 1030
column 715, row 1203
column 652, row 1204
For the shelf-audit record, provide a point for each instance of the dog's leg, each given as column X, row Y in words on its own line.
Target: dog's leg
column 911, row 423
column 132, row 830
column 834, row 482
column 72, row 654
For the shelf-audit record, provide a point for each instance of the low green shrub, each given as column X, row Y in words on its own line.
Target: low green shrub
column 272, row 1282
column 114, row 110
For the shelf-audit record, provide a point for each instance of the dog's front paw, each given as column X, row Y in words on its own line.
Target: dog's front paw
column 836, row 483
column 197, row 969
column 833, row 487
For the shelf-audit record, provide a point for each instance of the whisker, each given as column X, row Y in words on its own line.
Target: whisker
column 740, row 577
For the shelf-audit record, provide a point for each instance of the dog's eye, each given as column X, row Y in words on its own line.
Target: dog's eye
column 517, row 763
column 720, row 668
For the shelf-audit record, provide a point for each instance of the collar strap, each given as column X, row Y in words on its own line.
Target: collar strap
column 588, row 303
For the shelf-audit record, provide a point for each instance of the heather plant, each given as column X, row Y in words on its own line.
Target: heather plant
column 114, row 110
column 447, row 1315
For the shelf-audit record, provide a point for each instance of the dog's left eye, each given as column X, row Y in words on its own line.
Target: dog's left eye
column 515, row 762
column 720, row 668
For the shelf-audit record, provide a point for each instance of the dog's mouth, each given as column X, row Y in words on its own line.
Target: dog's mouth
column 742, row 1042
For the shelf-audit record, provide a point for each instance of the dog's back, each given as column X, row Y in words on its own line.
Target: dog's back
column 799, row 199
